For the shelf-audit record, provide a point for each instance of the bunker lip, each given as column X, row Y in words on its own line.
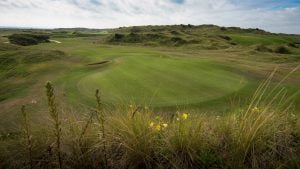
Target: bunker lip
column 99, row 63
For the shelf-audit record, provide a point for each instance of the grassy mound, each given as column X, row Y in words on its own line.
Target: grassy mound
column 7, row 47
column 16, row 65
column 23, row 56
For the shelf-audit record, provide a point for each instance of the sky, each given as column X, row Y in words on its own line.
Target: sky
column 279, row 16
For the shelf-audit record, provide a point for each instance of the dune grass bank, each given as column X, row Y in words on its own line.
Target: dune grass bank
column 263, row 135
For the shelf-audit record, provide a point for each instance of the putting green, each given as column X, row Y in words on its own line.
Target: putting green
column 159, row 81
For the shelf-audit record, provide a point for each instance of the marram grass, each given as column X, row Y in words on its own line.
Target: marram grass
column 264, row 135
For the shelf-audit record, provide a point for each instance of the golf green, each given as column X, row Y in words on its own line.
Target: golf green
column 159, row 80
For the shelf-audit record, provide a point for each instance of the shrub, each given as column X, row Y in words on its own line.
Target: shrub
column 223, row 28
column 175, row 32
column 28, row 39
column 118, row 37
column 178, row 41
column 154, row 36
column 134, row 38
column 282, row 50
column 225, row 37
column 263, row 48
column 293, row 44
column 135, row 29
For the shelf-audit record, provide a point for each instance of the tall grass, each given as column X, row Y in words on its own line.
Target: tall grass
column 101, row 120
column 55, row 120
column 263, row 135
column 27, row 135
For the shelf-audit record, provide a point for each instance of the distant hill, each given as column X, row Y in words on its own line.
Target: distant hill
column 201, row 36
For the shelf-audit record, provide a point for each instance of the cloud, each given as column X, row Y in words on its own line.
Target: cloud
column 271, row 15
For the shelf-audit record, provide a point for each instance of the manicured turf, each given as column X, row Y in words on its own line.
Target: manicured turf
column 145, row 76
column 160, row 81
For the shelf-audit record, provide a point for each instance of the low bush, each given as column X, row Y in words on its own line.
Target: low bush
column 118, row 37
column 263, row 48
column 225, row 37
column 28, row 39
column 294, row 45
column 282, row 50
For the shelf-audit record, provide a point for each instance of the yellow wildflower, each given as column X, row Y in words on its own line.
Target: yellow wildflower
column 165, row 125
column 157, row 127
column 255, row 109
column 151, row 124
column 184, row 116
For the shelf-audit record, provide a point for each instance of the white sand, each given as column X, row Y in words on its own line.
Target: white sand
column 55, row 41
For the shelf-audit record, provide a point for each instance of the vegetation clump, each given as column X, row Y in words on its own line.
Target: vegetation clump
column 263, row 48
column 225, row 37
column 117, row 37
column 28, row 39
column 282, row 50
column 157, row 38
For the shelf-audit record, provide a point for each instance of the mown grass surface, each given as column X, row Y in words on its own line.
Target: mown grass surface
column 160, row 81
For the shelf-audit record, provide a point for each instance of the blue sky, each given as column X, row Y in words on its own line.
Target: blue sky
column 272, row 15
